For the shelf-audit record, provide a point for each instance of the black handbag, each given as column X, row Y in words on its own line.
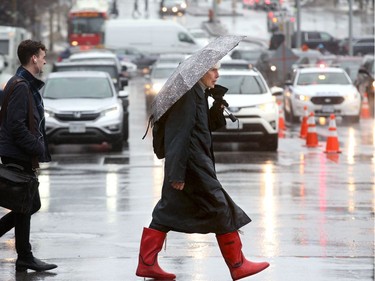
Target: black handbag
column 17, row 189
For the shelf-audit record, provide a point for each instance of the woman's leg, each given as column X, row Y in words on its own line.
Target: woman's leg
column 151, row 244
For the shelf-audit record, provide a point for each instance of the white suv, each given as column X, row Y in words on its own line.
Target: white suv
column 82, row 107
column 251, row 101
column 324, row 90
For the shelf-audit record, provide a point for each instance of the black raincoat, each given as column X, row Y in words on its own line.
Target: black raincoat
column 203, row 206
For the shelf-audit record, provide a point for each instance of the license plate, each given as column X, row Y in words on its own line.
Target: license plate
column 328, row 109
column 233, row 125
column 75, row 128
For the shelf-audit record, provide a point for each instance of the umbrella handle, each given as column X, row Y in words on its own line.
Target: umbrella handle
column 230, row 115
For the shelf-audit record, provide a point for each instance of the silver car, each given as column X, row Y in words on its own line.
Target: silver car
column 83, row 107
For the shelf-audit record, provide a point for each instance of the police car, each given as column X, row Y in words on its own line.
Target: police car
column 325, row 91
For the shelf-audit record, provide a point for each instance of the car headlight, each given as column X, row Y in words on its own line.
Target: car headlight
column 267, row 107
column 301, row 97
column 48, row 113
column 352, row 96
column 111, row 110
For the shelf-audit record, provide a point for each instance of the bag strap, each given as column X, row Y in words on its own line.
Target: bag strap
column 6, row 99
column 148, row 126
column 4, row 108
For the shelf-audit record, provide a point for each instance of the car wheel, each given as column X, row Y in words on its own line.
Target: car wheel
column 125, row 128
column 269, row 143
column 290, row 116
column 286, row 113
column 118, row 145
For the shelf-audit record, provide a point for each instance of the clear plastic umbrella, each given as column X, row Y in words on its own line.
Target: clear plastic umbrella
column 188, row 73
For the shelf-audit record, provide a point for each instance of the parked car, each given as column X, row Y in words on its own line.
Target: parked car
column 83, row 107
column 251, row 101
column 143, row 61
column 276, row 76
column 160, row 73
column 350, row 64
column 361, row 46
column 251, row 55
column 234, row 64
column 101, row 55
column 312, row 39
column 171, row 58
column 172, row 7
column 109, row 67
column 325, row 91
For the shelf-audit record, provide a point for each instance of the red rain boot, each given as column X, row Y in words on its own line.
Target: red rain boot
column 151, row 244
column 230, row 247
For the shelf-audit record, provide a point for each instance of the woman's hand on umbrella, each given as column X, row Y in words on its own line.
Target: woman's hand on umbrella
column 178, row 185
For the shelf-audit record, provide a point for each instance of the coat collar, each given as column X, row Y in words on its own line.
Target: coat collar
column 31, row 79
column 199, row 90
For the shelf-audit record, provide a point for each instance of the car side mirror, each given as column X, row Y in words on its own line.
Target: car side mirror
column 124, row 68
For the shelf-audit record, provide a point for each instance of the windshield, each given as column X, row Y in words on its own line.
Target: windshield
column 87, row 25
column 75, row 88
column 243, row 85
column 323, row 78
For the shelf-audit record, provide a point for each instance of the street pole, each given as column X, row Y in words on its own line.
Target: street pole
column 51, row 29
column 15, row 16
column 350, row 27
column 234, row 7
column 214, row 10
column 298, row 20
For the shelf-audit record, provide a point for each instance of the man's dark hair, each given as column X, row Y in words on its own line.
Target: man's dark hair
column 27, row 49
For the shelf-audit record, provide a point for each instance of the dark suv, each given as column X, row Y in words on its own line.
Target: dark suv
column 313, row 39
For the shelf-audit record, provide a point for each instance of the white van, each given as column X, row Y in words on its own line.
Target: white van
column 150, row 36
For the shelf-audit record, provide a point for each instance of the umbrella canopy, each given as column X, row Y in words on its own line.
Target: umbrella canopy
column 188, row 73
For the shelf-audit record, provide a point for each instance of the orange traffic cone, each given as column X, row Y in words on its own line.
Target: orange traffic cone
column 365, row 108
column 303, row 130
column 312, row 136
column 282, row 126
column 332, row 145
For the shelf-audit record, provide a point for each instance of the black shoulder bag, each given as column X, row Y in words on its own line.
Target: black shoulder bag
column 17, row 188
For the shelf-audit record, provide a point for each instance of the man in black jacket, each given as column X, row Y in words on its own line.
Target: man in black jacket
column 20, row 146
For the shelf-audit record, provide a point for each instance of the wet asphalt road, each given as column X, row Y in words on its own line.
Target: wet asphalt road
column 313, row 214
